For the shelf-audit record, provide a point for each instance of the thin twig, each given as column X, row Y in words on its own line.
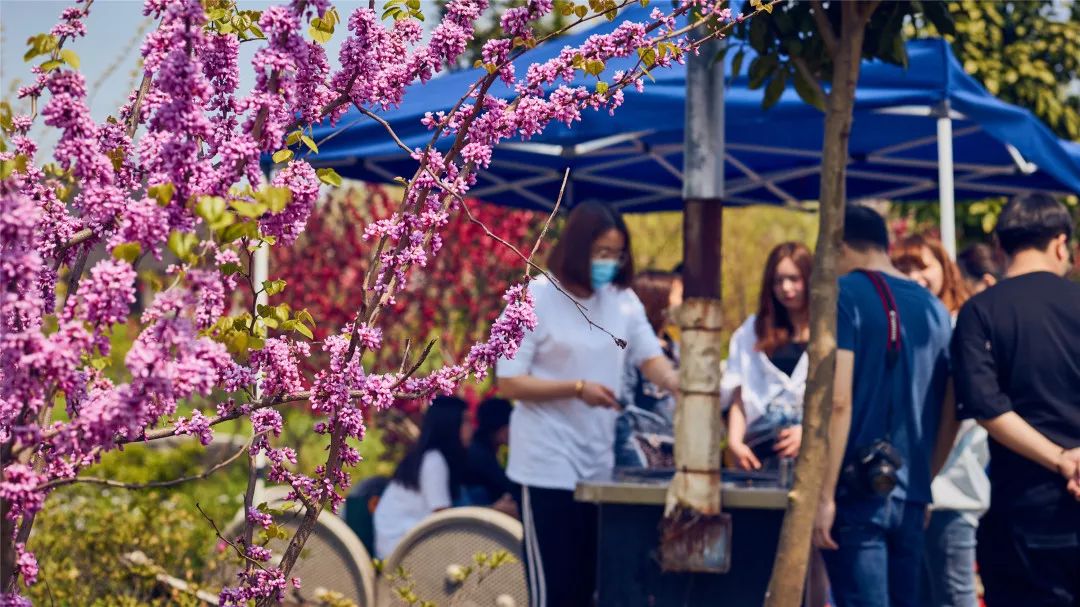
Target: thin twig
column 151, row 485
column 221, row 537
column 405, row 356
column 547, row 224
column 828, row 35
column 144, row 90
column 580, row 308
column 416, row 365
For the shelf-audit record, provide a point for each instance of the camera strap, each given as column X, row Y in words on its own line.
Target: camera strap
column 893, row 344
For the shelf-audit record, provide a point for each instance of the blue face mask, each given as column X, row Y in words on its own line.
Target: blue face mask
column 603, row 271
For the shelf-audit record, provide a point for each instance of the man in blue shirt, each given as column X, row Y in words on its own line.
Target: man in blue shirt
column 889, row 399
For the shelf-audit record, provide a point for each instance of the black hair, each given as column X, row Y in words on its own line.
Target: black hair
column 977, row 261
column 570, row 260
column 491, row 415
column 864, row 229
column 440, row 431
column 1031, row 221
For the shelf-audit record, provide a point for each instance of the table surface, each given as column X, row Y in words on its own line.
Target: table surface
column 653, row 492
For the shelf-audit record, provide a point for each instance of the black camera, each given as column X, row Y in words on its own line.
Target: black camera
column 873, row 472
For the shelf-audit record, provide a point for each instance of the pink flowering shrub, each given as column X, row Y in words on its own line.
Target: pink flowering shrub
column 178, row 169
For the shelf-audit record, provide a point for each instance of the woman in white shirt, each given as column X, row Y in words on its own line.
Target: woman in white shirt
column 961, row 490
column 765, row 376
column 428, row 478
column 564, row 379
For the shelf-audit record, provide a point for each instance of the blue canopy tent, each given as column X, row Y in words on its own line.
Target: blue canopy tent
column 925, row 132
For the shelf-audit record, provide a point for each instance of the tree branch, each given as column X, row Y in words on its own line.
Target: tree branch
column 828, row 36
column 151, row 485
column 804, row 69
column 217, row 532
column 547, row 224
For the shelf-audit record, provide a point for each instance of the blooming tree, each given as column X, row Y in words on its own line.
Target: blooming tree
column 178, row 168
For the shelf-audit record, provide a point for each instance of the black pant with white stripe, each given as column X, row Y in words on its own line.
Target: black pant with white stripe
column 560, row 548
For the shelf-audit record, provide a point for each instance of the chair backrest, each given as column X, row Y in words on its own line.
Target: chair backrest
column 445, row 543
column 333, row 557
column 359, row 511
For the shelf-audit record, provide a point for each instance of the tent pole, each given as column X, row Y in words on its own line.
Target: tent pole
column 946, row 191
column 694, row 533
column 259, row 274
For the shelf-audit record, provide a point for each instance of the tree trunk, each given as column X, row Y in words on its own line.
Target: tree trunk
column 793, row 551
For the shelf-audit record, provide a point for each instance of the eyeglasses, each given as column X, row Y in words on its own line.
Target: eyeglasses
column 606, row 253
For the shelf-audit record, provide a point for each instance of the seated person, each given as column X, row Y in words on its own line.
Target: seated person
column 644, row 430
column 765, row 377
column 487, row 484
column 428, row 479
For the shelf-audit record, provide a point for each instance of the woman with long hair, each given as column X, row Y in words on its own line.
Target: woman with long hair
column 961, row 491
column 429, row 477
column 565, row 378
column 765, row 377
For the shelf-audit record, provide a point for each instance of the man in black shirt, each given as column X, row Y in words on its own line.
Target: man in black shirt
column 1016, row 356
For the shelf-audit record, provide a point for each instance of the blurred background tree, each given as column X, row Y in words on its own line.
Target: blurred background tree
column 1024, row 52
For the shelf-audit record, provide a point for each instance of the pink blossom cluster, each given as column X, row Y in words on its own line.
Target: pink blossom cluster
column 191, row 133
column 278, row 361
column 301, row 180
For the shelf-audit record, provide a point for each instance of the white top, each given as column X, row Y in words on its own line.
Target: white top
column 556, row 443
column 761, row 382
column 963, row 485
column 400, row 508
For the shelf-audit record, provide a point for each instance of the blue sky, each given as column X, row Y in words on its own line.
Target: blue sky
column 110, row 50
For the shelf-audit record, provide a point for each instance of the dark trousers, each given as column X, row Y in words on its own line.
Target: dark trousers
column 1030, row 555
column 560, row 548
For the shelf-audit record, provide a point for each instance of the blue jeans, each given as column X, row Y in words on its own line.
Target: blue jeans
column 880, row 555
column 949, row 572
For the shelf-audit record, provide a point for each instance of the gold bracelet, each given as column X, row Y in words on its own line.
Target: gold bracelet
column 579, row 388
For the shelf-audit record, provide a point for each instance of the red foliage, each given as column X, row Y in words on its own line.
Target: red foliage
column 453, row 300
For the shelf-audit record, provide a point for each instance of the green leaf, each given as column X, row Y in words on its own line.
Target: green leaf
column 70, row 58
column 594, row 67
column 303, row 330
column 759, row 34
column 210, row 208
column 809, row 92
column 273, row 287
column 283, row 156
column 128, row 251
column 162, row 193
column 310, row 143
column 601, row 87
column 581, row 11
column 246, row 229
column 305, row 317
column 51, row 65
column 182, row 243
column 736, row 63
column 230, row 268
column 276, row 198
column 319, row 34
column 329, row 177
column 413, row 4
column 252, row 210
column 760, row 69
column 258, row 32
column 775, row 89
column 294, row 137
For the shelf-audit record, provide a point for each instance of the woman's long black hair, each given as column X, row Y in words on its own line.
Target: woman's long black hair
column 441, row 431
